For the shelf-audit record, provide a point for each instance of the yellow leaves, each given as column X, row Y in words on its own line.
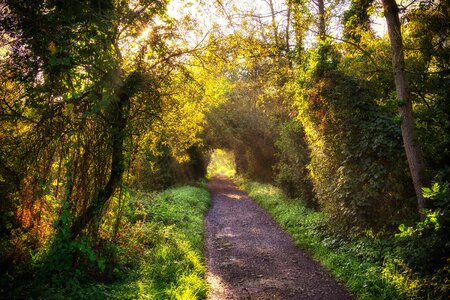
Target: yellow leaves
column 3, row 51
column 23, row 129
column 182, row 126
column 402, row 277
column 52, row 48
column 187, row 96
column 215, row 89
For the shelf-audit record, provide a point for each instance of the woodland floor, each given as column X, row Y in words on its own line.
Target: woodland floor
column 250, row 257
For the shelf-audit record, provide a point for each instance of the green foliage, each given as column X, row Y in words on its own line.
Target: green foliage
column 357, row 19
column 157, row 254
column 420, row 265
column 439, row 194
column 291, row 172
column 356, row 156
column 222, row 163
column 58, row 263
column 324, row 58
column 63, row 267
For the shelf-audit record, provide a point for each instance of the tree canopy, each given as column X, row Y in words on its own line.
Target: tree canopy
column 102, row 97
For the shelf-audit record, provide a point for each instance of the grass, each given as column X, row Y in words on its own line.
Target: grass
column 157, row 254
column 357, row 263
column 171, row 245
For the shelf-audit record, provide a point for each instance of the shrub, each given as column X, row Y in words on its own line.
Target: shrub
column 419, row 266
column 291, row 172
column 357, row 163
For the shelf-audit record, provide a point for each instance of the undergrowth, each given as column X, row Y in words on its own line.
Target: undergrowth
column 170, row 244
column 157, row 253
column 371, row 266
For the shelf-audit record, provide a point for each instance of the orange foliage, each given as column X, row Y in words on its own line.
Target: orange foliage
column 35, row 217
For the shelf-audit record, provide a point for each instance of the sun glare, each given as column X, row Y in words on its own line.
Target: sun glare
column 145, row 33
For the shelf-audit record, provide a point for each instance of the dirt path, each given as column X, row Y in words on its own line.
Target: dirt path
column 250, row 257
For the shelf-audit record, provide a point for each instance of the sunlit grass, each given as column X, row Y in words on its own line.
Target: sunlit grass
column 172, row 266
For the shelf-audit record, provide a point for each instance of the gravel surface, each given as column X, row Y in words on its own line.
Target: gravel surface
column 250, row 257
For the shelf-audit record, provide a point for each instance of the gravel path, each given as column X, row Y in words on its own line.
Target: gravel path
column 250, row 257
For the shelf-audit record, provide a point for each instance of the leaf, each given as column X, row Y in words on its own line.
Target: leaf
column 101, row 264
column 52, row 48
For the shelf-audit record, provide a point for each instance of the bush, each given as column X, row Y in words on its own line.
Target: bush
column 420, row 265
column 357, row 162
column 291, row 172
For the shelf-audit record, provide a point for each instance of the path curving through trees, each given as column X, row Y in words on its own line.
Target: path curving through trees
column 250, row 257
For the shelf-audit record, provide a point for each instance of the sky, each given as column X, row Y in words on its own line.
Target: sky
column 208, row 13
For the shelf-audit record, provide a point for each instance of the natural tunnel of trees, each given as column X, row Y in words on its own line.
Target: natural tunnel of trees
column 100, row 99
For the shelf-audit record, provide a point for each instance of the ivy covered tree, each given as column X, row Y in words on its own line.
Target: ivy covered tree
column 102, row 99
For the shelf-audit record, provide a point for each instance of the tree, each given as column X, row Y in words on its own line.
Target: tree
column 412, row 150
column 85, row 88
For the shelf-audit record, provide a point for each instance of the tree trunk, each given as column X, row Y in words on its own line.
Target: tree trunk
column 324, row 45
column 274, row 26
column 288, row 23
column 117, row 122
column 413, row 153
column 321, row 25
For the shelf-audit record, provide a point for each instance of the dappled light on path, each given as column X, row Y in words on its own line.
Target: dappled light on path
column 233, row 196
column 250, row 257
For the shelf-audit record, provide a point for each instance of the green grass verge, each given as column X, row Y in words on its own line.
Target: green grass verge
column 163, row 248
column 356, row 263
column 169, row 244
column 156, row 254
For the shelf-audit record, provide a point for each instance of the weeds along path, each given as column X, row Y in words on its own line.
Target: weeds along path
column 250, row 257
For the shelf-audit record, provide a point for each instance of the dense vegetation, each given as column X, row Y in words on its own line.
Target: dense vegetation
column 157, row 254
column 104, row 102
column 372, row 266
